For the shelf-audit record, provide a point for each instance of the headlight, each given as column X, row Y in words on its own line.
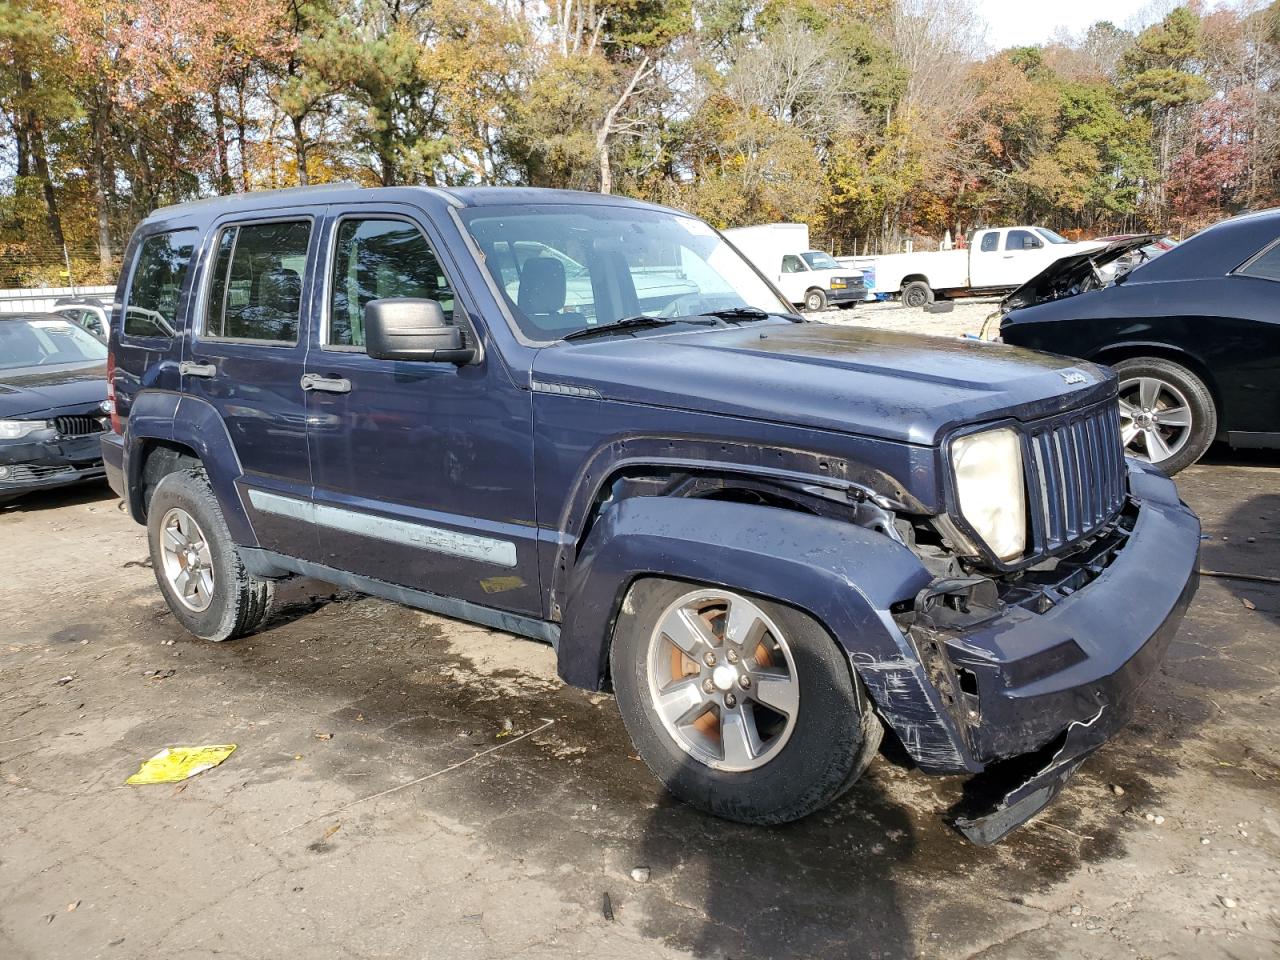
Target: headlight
column 988, row 468
column 17, row 429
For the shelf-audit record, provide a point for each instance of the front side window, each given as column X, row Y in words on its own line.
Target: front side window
column 1265, row 265
column 256, row 289
column 1022, row 240
column 990, row 241
column 47, row 342
column 792, row 264
column 380, row 260
column 152, row 307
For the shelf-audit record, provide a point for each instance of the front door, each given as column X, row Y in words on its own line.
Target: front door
column 423, row 471
column 245, row 358
column 1022, row 256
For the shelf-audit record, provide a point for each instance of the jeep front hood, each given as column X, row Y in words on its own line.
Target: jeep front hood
column 897, row 386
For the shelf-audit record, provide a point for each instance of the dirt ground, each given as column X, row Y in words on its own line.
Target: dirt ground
column 410, row 786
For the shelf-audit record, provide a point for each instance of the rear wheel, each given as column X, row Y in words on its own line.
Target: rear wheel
column 815, row 300
column 1167, row 414
column 917, row 294
column 744, row 708
column 196, row 563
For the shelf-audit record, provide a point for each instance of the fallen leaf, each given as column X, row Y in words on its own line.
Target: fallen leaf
column 63, row 681
column 1248, row 604
column 72, row 906
column 330, row 832
column 323, row 736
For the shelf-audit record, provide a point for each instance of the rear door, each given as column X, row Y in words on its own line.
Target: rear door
column 423, row 471
column 245, row 357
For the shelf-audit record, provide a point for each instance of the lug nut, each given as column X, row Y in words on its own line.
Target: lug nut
column 732, row 656
column 709, row 659
column 730, row 700
column 708, row 686
column 744, row 682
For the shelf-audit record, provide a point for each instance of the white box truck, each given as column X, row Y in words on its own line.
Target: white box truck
column 808, row 278
column 997, row 260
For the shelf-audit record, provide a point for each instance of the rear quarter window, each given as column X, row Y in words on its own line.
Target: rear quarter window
column 1265, row 264
column 159, row 273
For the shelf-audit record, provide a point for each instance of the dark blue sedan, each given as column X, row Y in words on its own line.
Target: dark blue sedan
column 53, row 403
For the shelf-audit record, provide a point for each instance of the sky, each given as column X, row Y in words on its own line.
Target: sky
column 1021, row 22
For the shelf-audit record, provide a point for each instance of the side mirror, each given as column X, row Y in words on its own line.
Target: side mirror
column 407, row 328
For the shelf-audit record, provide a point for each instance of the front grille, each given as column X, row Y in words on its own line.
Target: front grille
column 1077, row 474
column 27, row 472
column 79, row 426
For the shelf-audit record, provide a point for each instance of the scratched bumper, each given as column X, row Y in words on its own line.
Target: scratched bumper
column 1033, row 691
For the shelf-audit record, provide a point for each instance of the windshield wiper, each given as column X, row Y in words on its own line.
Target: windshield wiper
column 641, row 322
column 749, row 314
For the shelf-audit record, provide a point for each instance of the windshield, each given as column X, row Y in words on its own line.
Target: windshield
column 818, row 260
column 567, row 267
column 46, row 343
column 1051, row 236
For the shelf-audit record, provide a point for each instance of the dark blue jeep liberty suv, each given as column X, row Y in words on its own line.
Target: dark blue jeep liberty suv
column 590, row 421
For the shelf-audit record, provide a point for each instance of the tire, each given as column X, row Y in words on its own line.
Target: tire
column 1167, row 414
column 815, row 300
column 917, row 294
column 806, row 762
column 186, row 533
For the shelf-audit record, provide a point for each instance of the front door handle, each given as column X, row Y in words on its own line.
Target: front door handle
column 189, row 369
column 313, row 381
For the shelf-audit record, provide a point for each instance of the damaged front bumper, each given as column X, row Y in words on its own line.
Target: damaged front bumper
column 46, row 460
column 1033, row 676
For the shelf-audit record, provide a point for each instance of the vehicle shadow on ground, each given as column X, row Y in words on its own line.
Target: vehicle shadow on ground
column 1254, row 534
column 39, row 500
column 809, row 889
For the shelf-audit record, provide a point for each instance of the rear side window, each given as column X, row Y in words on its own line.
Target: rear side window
column 158, row 275
column 990, row 241
column 1265, row 265
column 380, row 260
column 256, row 290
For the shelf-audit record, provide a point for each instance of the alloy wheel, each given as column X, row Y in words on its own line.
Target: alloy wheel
column 188, row 564
column 1155, row 418
column 722, row 680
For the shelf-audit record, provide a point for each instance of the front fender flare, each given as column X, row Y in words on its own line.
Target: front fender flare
column 845, row 576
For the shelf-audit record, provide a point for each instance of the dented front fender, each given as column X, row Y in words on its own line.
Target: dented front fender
column 845, row 576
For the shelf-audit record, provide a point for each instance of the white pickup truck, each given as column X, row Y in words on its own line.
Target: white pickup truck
column 806, row 277
column 997, row 259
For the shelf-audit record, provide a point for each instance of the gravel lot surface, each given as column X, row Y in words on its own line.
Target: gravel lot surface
column 965, row 318
column 407, row 786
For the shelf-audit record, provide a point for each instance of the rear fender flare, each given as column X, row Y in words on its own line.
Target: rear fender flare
column 195, row 424
column 845, row 576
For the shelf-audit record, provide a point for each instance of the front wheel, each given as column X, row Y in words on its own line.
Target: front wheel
column 743, row 708
column 815, row 300
column 196, row 563
column 1167, row 414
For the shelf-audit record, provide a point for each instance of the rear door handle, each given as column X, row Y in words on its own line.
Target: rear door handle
column 313, row 381
column 189, row 369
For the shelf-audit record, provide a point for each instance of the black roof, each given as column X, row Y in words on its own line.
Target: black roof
column 349, row 192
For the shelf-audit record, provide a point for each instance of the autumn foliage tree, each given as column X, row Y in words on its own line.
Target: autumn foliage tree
column 874, row 121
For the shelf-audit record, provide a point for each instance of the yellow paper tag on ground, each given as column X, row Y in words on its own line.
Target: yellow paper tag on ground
column 178, row 763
